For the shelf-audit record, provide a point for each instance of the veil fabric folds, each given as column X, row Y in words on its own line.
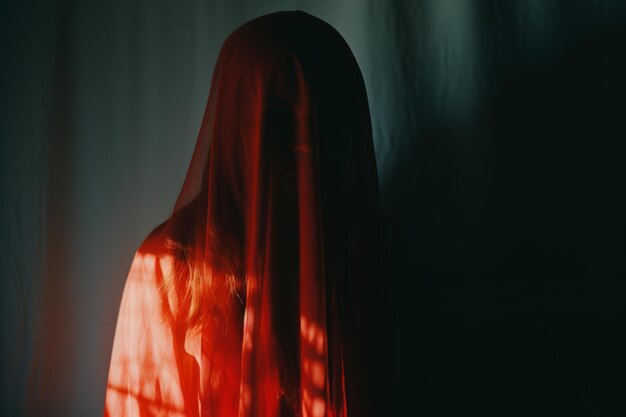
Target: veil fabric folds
column 256, row 297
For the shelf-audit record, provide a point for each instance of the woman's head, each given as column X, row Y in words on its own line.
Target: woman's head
column 286, row 134
column 277, row 77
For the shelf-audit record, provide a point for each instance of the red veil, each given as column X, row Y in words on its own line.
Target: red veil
column 254, row 298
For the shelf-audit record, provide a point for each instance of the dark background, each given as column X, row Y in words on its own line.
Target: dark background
column 499, row 130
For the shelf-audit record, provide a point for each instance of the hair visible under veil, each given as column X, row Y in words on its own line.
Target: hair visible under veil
column 273, row 239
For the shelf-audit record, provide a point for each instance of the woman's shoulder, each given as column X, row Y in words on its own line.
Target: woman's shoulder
column 160, row 239
column 155, row 242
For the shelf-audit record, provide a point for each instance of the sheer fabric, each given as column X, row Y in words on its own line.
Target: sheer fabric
column 255, row 297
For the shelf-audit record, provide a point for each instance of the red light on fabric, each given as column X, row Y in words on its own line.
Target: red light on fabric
column 251, row 299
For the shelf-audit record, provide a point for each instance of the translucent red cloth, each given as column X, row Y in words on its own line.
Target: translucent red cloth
column 255, row 297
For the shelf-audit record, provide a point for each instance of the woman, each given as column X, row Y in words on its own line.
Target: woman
column 255, row 297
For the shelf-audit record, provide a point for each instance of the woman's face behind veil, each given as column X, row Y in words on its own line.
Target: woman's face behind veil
column 333, row 136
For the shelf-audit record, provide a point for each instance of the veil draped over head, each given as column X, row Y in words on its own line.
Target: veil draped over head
column 255, row 297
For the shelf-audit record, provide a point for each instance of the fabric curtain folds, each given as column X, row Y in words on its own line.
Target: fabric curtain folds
column 255, row 298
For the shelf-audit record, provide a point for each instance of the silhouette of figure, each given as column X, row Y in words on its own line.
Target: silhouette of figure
column 255, row 298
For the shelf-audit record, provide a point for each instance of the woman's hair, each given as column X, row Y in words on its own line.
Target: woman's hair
column 197, row 285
